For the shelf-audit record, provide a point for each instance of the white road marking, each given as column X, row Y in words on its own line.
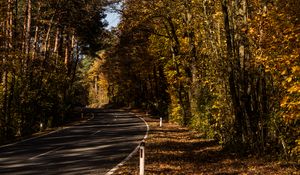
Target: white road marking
column 48, row 152
column 96, row 132
column 45, row 134
column 85, row 149
column 110, row 172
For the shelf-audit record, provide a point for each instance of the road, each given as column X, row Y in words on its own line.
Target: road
column 93, row 147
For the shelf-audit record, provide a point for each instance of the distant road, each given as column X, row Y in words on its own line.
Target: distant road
column 93, row 147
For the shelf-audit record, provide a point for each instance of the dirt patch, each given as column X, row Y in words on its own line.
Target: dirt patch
column 175, row 150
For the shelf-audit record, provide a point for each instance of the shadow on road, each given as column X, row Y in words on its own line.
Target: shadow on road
column 97, row 145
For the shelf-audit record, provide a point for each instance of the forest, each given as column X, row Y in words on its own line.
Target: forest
column 229, row 69
column 41, row 49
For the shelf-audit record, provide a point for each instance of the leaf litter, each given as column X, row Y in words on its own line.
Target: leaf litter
column 175, row 150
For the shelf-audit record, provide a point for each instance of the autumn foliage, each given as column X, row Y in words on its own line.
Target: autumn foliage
column 229, row 69
column 42, row 44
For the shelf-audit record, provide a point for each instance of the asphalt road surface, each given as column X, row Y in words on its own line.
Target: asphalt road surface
column 93, row 147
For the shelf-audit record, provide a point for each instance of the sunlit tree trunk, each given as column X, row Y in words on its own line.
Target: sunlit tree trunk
column 36, row 35
column 28, row 28
column 46, row 43
column 96, row 84
column 67, row 50
column 191, row 69
column 57, row 34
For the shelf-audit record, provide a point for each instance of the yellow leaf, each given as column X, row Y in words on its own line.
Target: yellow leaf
column 284, row 101
column 251, row 30
column 283, row 72
column 295, row 69
column 289, row 79
column 295, row 88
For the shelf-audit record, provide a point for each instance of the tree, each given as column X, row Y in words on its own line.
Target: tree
column 217, row 61
column 41, row 47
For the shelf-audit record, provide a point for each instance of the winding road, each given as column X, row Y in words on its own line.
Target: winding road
column 93, row 147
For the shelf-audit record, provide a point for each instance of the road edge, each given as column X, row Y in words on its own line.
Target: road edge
column 113, row 170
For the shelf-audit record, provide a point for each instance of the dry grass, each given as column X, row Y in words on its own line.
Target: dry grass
column 174, row 150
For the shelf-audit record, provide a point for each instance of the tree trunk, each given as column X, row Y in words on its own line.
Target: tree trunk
column 233, row 86
column 191, row 69
column 96, row 84
column 182, row 94
column 6, row 62
column 28, row 27
column 46, row 45
column 36, row 35
column 67, row 55
column 55, row 50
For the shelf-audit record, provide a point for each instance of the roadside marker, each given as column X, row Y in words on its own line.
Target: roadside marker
column 110, row 172
column 142, row 158
column 41, row 126
column 160, row 122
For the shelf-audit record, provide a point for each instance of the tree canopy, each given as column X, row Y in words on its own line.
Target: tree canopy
column 42, row 46
column 227, row 68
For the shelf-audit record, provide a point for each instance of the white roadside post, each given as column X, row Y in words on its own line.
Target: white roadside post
column 142, row 158
column 160, row 122
column 41, row 126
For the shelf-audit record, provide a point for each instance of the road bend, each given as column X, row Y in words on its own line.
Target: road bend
column 93, row 147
